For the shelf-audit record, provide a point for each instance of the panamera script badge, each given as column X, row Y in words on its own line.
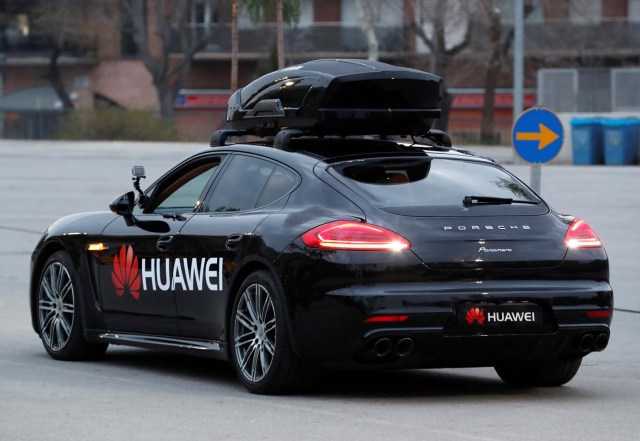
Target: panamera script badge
column 494, row 250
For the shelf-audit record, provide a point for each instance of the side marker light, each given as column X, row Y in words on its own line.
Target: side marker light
column 599, row 313
column 386, row 318
column 97, row 247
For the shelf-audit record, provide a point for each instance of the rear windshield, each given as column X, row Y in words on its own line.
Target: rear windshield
column 435, row 187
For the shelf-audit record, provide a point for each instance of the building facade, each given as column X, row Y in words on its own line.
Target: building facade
column 107, row 71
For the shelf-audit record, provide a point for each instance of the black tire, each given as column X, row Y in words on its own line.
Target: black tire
column 59, row 312
column 284, row 371
column 546, row 374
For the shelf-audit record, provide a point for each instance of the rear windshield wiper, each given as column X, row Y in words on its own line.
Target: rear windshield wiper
column 489, row 200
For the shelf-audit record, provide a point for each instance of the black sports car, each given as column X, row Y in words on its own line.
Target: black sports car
column 285, row 255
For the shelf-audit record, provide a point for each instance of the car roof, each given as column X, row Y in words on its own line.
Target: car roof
column 332, row 150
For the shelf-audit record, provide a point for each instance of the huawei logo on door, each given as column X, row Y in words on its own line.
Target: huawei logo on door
column 126, row 273
column 475, row 315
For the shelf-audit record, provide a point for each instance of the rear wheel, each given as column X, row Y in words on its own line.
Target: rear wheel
column 552, row 373
column 260, row 349
column 60, row 323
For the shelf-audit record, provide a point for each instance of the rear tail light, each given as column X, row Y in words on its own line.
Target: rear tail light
column 346, row 235
column 580, row 235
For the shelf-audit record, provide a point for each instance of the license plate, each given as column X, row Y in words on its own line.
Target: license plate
column 512, row 315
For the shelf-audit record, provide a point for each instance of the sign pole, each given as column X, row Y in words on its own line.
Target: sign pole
column 536, row 177
column 518, row 80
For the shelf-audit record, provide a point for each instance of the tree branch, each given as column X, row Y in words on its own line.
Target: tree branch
column 419, row 30
column 456, row 49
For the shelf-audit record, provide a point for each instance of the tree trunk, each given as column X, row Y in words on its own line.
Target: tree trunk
column 234, row 45
column 487, row 134
column 441, row 65
column 491, row 80
column 56, row 79
column 280, row 32
column 366, row 20
column 372, row 40
column 165, row 100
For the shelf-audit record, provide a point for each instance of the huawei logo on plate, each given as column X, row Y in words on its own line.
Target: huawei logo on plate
column 126, row 273
column 475, row 315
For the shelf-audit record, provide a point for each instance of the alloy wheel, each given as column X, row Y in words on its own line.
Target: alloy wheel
column 56, row 306
column 254, row 331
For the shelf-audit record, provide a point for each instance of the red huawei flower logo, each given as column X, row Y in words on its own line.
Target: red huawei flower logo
column 475, row 315
column 125, row 275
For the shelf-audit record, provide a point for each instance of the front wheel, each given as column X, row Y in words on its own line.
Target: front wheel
column 260, row 349
column 59, row 313
column 542, row 374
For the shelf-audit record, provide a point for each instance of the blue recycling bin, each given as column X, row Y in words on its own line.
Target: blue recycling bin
column 621, row 141
column 588, row 141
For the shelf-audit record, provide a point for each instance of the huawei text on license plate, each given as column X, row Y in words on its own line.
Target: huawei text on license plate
column 488, row 314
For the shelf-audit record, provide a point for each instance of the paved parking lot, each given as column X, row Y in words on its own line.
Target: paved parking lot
column 139, row 394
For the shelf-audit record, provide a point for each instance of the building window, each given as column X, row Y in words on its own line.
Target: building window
column 203, row 14
column 634, row 10
column 507, row 11
column 128, row 47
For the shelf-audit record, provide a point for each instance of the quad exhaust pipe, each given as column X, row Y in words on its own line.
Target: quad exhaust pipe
column 382, row 347
column 586, row 343
column 385, row 346
column 404, row 347
column 601, row 342
column 593, row 342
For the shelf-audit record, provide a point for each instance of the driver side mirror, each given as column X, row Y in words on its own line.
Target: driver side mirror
column 123, row 205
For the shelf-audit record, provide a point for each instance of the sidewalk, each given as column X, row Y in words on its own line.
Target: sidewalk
column 44, row 148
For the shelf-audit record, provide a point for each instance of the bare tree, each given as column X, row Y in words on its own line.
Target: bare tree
column 368, row 16
column 436, row 23
column 501, row 41
column 280, row 32
column 493, row 71
column 169, row 34
column 234, row 44
column 65, row 24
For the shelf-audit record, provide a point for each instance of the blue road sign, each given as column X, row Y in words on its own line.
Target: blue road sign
column 538, row 135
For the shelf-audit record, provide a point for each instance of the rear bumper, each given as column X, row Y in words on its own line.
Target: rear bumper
column 332, row 327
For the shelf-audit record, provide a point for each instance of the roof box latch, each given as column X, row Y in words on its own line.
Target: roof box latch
column 266, row 108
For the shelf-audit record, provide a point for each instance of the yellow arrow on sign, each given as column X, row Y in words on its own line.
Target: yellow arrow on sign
column 545, row 136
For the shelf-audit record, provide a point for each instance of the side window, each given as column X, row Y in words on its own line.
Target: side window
column 250, row 183
column 181, row 192
column 280, row 183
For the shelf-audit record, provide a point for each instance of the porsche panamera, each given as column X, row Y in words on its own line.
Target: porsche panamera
column 347, row 232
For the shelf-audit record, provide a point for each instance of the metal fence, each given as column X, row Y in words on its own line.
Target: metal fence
column 625, row 84
column 610, row 37
column 589, row 89
column 327, row 38
column 31, row 124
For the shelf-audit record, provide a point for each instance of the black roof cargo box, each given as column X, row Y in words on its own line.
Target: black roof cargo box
column 338, row 97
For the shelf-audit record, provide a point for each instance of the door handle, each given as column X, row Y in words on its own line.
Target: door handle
column 233, row 242
column 164, row 243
